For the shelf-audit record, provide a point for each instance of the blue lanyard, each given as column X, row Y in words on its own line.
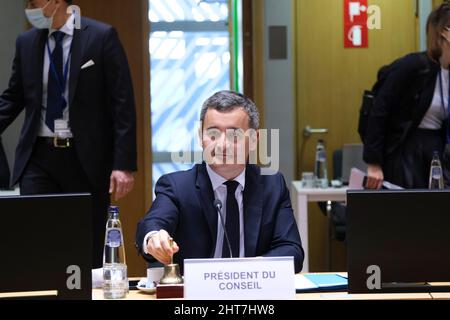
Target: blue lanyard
column 61, row 85
column 446, row 114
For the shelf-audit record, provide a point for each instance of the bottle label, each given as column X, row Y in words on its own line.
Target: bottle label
column 436, row 172
column 114, row 238
column 321, row 156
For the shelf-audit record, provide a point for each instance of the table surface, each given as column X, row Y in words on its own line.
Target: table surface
column 97, row 294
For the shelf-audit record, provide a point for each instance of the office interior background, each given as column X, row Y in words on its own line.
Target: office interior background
column 287, row 55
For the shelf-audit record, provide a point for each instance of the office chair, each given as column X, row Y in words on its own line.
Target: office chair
column 336, row 211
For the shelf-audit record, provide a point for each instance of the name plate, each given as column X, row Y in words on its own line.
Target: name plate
column 269, row 278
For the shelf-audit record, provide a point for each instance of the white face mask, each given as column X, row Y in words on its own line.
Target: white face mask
column 37, row 18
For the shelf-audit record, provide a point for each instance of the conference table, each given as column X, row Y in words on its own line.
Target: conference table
column 97, row 294
column 300, row 198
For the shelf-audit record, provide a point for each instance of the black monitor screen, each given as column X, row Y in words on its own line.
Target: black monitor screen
column 404, row 233
column 45, row 245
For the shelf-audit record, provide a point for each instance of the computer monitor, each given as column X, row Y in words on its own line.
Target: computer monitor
column 46, row 246
column 398, row 240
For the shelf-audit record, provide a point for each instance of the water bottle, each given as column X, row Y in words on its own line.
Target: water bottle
column 115, row 279
column 320, row 169
column 436, row 177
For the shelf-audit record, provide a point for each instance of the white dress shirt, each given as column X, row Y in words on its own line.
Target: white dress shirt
column 436, row 116
column 68, row 29
column 220, row 192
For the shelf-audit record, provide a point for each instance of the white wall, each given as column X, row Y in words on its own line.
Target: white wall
column 279, row 112
column 12, row 22
column 425, row 7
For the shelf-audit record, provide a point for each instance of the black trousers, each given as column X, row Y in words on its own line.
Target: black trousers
column 53, row 170
column 409, row 165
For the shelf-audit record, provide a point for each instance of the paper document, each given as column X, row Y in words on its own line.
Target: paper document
column 358, row 180
column 327, row 280
column 320, row 282
column 302, row 283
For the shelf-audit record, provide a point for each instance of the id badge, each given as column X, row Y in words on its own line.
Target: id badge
column 62, row 134
column 61, row 128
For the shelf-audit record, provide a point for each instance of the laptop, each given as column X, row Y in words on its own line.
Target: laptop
column 398, row 240
column 45, row 246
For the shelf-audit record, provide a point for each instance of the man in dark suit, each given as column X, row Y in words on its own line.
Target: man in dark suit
column 4, row 168
column 79, row 133
column 256, row 208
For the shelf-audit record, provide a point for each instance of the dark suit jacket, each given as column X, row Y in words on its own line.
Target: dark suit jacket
column 4, row 168
column 184, row 208
column 400, row 106
column 101, row 100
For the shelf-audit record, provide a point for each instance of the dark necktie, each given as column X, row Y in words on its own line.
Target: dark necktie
column 55, row 98
column 231, row 221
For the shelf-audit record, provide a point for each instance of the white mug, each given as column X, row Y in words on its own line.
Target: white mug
column 153, row 276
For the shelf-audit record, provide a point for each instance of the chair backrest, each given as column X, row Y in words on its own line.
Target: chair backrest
column 337, row 164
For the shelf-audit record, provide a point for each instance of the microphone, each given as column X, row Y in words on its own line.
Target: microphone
column 218, row 206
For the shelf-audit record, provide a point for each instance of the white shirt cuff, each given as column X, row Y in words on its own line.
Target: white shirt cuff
column 147, row 236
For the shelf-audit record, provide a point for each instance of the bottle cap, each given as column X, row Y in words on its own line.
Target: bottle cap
column 113, row 211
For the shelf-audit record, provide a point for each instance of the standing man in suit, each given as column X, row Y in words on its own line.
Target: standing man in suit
column 256, row 208
column 79, row 133
column 4, row 168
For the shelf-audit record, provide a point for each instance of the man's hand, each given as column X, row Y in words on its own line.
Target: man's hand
column 121, row 183
column 159, row 247
column 374, row 177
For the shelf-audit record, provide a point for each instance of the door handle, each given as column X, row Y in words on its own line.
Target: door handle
column 308, row 131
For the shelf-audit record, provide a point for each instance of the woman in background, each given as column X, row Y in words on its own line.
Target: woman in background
column 408, row 121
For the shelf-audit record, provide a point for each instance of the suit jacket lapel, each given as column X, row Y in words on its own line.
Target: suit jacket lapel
column 205, row 195
column 80, row 38
column 253, row 203
column 39, row 45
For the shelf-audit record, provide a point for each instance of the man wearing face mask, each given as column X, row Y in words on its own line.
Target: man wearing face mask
column 79, row 133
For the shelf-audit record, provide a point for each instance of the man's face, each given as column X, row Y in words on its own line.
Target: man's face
column 49, row 6
column 225, row 138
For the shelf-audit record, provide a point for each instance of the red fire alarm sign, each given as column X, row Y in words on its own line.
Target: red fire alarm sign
column 355, row 24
